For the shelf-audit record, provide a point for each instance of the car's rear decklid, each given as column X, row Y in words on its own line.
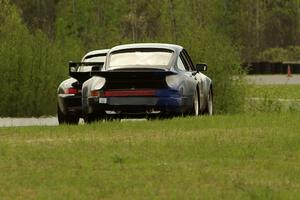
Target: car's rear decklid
column 134, row 78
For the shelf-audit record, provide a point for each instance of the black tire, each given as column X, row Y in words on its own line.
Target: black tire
column 160, row 117
column 90, row 118
column 66, row 119
column 209, row 105
column 196, row 106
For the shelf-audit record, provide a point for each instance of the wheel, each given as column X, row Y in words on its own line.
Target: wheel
column 159, row 117
column 195, row 109
column 66, row 118
column 90, row 118
column 209, row 106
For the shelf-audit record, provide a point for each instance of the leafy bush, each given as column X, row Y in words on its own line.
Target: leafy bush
column 32, row 66
column 223, row 67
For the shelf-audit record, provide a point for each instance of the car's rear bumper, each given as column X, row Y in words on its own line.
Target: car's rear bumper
column 70, row 104
column 138, row 106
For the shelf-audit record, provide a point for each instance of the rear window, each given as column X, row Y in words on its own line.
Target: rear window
column 93, row 58
column 136, row 58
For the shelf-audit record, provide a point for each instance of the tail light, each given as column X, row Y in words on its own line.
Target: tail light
column 173, row 81
column 95, row 93
column 71, row 91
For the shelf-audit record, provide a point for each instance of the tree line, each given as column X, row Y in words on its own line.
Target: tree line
column 39, row 37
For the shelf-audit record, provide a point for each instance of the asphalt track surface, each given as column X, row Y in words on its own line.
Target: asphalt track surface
column 274, row 79
column 44, row 121
column 52, row 121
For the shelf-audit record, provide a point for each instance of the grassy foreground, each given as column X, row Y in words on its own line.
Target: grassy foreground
column 220, row 157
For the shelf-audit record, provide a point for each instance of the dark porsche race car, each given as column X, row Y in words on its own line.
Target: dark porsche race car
column 147, row 80
column 69, row 108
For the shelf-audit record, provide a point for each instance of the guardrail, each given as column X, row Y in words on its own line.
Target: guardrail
column 272, row 67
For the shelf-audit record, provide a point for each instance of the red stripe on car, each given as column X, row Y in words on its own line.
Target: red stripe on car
column 127, row 93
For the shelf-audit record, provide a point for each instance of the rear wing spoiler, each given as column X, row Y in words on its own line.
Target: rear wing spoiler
column 82, row 75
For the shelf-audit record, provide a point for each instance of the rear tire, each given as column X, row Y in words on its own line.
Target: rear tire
column 66, row 118
column 195, row 109
column 209, row 106
column 90, row 118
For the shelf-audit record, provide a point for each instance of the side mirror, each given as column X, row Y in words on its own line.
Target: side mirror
column 201, row 67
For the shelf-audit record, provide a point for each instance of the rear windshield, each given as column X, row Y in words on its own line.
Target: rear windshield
column 94, row 58
column 137, row 58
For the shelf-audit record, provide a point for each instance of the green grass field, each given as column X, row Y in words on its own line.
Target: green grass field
column 274, row 91
column 222, row 157
column 272, row 98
